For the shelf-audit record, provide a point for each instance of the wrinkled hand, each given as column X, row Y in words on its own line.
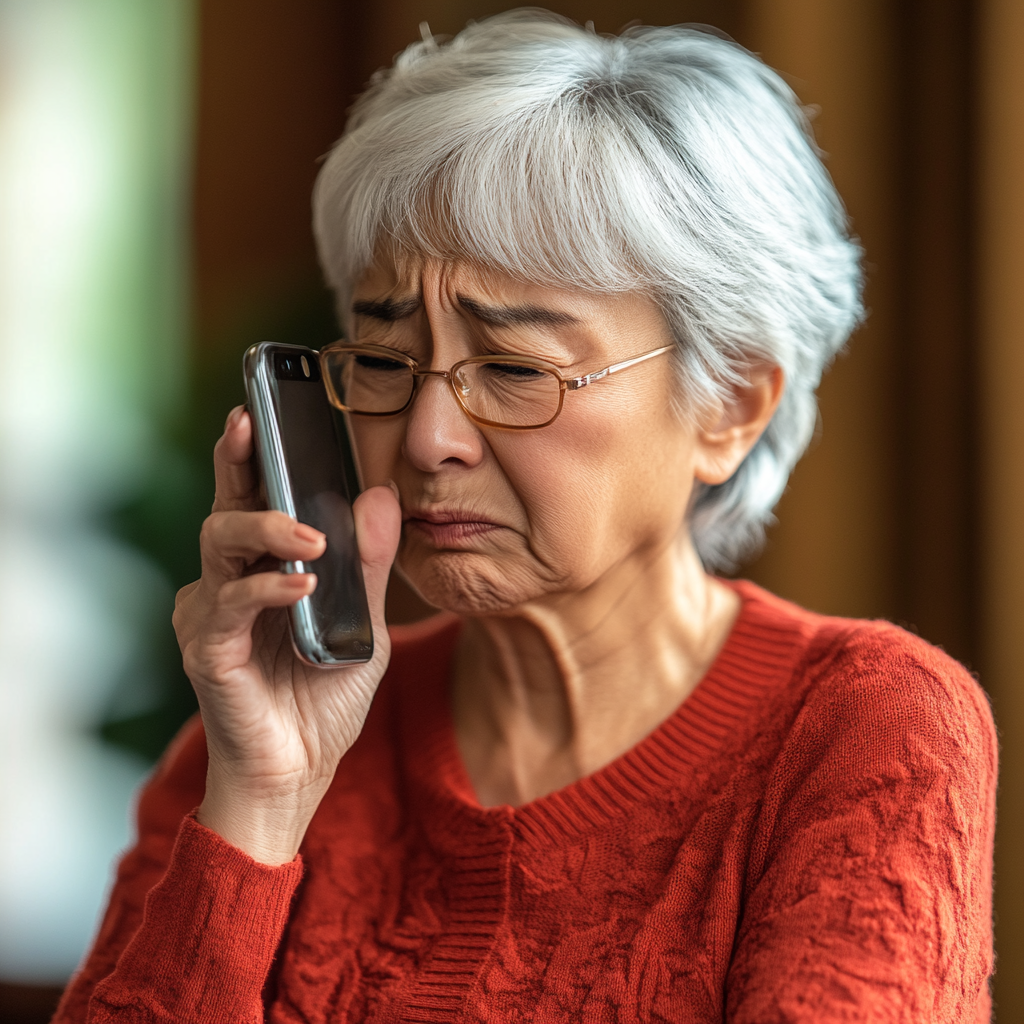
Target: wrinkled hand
column 275, row 727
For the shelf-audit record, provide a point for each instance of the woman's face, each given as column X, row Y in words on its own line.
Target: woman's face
column 495, row 518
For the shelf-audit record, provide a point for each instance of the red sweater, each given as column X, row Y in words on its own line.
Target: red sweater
column 807, row 838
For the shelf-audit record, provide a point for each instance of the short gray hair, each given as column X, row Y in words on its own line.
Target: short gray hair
column 666, row 160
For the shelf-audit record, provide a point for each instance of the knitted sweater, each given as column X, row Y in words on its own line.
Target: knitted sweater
column 807, row 838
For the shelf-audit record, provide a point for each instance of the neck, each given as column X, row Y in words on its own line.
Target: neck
column 564, row 685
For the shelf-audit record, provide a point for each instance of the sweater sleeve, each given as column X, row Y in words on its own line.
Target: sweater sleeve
column 193, row 923
column 869, row 894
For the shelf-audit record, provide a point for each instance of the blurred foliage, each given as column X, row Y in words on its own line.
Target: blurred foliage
column 162, row 520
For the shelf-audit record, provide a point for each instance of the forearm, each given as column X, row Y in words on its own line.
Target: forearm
column 209, row 934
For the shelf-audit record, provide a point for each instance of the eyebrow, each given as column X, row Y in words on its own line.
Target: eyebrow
column 390, row 310
column 515, row 316
column 386, row 309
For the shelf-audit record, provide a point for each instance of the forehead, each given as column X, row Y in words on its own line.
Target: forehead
column 410, row 274
column 403, row 275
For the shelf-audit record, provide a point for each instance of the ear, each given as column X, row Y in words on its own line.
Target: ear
column 732, row 427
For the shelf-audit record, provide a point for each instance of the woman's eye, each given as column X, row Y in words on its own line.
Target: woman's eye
column 381, row 363
column 514, row 370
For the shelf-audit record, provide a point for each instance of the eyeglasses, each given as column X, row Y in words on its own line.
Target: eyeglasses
column 513, row 392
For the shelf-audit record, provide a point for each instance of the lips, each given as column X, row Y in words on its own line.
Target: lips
column 449, row 527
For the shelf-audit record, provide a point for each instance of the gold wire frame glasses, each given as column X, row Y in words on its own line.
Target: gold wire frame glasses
column 506, row 391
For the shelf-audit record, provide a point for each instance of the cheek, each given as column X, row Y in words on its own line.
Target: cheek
column 596, row 486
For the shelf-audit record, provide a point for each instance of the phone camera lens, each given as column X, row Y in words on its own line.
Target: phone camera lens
column 295, row 367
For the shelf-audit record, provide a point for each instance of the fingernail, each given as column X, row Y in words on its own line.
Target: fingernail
column 394, row 491
column 234, row 416
column 307, row 533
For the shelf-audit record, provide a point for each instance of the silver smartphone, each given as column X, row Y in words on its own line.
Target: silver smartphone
column 307, row 471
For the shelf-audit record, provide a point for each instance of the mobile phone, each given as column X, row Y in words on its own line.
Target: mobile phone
column 307, row 471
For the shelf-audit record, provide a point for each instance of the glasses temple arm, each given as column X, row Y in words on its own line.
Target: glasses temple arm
column 574, row 383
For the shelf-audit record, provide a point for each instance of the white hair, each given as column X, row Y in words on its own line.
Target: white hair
column 667, row 160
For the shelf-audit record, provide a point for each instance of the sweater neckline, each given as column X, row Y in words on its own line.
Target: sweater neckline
column 760, row 653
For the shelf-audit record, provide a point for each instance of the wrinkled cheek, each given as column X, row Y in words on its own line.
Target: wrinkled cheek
column 594, row 513
column 566, row 500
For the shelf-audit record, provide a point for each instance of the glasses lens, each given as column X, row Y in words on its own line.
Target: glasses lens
column 508, row 393
column 368, row 383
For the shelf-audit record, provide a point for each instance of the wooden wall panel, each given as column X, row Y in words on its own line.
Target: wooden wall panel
column 1001, row 404
column 835, row 548
column 937, row 506
column 275, row 81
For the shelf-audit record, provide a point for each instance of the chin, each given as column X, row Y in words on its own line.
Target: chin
column 467, row 583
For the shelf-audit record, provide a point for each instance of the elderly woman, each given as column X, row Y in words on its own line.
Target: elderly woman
column 604, row 785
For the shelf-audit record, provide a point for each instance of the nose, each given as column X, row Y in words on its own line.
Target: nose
column 438, row 433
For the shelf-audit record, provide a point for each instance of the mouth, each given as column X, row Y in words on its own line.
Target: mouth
column 449, row 528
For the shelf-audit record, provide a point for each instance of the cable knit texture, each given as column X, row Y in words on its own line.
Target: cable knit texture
column 807, row 838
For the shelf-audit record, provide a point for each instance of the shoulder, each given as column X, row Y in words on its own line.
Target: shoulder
column 871, row 706
column 851, row 669
column 879, row 675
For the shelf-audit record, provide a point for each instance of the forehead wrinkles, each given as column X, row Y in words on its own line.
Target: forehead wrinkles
column 436, row 282
column 401, row 273
column 439, row 284
column 462, row 287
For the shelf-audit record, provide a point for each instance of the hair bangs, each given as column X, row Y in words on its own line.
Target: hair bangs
column 548, row 222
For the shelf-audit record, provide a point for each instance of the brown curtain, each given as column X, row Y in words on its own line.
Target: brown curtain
column 910, row 505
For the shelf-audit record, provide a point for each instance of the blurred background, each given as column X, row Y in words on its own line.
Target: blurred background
column 156, row 159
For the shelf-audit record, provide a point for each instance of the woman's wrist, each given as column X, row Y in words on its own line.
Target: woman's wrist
column 270, row 829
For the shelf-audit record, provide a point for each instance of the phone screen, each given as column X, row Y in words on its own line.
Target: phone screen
column 322, row 475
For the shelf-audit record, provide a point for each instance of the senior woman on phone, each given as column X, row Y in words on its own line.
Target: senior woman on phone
column 589, row 285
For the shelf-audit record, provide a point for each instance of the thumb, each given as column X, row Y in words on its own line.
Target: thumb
column 378, row 520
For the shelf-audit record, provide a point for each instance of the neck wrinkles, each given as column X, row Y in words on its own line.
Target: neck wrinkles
column 565, row 685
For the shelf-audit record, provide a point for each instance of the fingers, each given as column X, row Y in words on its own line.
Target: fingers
column 232, row 464
column 230, row 543
column 378, row 529
column 229, row 618
column 230, row 539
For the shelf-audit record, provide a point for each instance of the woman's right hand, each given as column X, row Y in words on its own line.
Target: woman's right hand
column 275, row 727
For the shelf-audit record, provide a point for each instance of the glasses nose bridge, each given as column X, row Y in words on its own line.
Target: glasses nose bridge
column 445, row 375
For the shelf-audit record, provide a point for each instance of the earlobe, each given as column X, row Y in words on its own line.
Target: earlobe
column 736, row 424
